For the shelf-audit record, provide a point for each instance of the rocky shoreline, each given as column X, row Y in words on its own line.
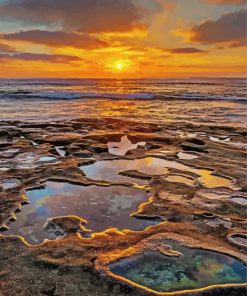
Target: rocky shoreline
column 196, row 189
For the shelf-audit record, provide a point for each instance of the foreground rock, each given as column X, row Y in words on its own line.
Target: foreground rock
column 197, row 201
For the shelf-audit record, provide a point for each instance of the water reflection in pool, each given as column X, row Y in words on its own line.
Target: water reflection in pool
column 122, row 147
column 241, row 200
column 103, row 207
column 47, row 158
column 180, row 179
column 188, row 156
column 9, row 183
column 108, row 170
column 194, row 269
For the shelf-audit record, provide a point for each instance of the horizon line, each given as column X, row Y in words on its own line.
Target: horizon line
column 119, row 78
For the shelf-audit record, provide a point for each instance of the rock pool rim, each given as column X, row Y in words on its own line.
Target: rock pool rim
column 126, row 282
column 231, row 238
column 207, row 215
column 131, row 284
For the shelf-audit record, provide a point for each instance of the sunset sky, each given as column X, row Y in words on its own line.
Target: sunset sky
column 122, row 38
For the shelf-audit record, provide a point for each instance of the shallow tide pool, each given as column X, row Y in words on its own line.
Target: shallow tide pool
column 195, row 269
column 108, row 170
column 102, row 207
column 122, row 147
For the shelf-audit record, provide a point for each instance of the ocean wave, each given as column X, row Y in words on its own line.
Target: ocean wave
column 66, row 95
column 125, row 89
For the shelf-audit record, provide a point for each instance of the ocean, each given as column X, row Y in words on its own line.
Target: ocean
column 218, row 101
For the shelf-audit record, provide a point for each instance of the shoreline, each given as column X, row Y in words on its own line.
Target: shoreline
column 183, row 207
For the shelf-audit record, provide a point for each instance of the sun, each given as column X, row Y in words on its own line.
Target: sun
column 119, row 66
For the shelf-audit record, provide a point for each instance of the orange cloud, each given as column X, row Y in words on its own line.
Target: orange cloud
column 237, row 2
column 6, row 48
column 58, row 39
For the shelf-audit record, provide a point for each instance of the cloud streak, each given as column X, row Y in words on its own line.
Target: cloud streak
column 58, row 39
column 52, row 58
column 234, row 2
column 185, row 50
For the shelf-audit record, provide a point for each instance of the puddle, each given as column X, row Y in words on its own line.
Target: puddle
column 165, row 152
column 214, row 194
column 122, row 147
column 239, row 200
column 10, row 183
column 102, row 207
column 217, row 139
column 212, row 181
column 180, row 179
column 60, row 150
column 239, row 239
column 108, row 170
column 228, row 141
column 47, row 158
column 187, row 156
column 195, row 269
column 238, row 145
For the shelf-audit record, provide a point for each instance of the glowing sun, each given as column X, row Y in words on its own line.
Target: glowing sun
column 119, row 66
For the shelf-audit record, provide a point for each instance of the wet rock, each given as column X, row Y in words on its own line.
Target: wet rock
column 193, row 147
column 214, row 196
column 99, row 148
column 147, row 217
column 196, row 141
column 9, row 183
column 83, row 154
column 136, row 174
column 66, row 224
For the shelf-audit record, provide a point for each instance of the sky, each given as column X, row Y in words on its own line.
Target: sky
column 123, row 38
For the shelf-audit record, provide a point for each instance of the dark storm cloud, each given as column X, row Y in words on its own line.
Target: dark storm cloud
column 53, row 58
column 230, row 27
column 83, row 15
column 58, row 39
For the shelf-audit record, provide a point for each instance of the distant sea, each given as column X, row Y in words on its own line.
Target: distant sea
column 220, row 100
